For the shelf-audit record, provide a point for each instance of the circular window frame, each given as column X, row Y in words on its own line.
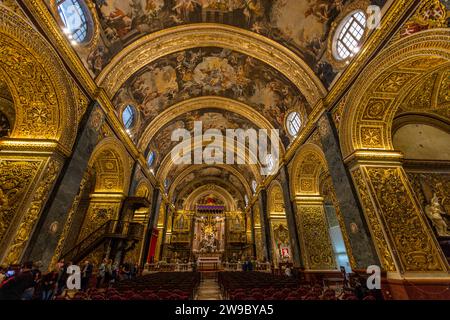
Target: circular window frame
column 154, row 159
column 254, row 186
column 337, row 26
column 93, row 24
column 137, row 120
column 338, row 32
column 286, row 127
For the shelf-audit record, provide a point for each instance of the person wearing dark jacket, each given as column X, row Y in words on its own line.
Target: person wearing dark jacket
column 48, row 285
column 14, row 288
column 86, row 275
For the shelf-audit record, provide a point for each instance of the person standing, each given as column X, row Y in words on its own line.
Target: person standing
column 48, row 285
column 101, row 273
column 86, row 275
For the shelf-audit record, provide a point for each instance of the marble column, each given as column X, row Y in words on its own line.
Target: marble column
column 164, row 233
column 265, row 226
column 46, row 235
column 356, row 228
column 252, row 233
column 154, row 206
column 291, row 219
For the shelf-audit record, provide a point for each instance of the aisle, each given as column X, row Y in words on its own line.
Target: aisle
column 209, row 289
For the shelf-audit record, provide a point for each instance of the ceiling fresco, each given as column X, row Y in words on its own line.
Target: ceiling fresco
column 210, row 175
column 216, row 72
column 211, row 119
column 301, row 25
column 214, row 171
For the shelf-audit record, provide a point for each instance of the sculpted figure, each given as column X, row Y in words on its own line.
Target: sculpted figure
column 434, row 213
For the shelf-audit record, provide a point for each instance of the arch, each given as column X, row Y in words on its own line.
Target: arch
column 275, row 201
column 159, row 44
column 384, row 84
column 207, row 102
column 167, row 163
column 187, row 188
column 143, row 189
column 220, row 192
column 110, row 161
column 41, row 89
column 306, row 170
column 191, row 169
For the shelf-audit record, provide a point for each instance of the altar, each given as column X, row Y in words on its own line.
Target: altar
column 209, row 232
column 209, row 262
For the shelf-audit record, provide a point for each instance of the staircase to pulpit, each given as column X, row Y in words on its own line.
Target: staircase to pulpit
column 119, row 235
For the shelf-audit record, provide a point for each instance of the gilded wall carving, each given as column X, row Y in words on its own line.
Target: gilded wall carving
column 375, row 226
column 403, row 220
column 317, row 249
column 37, row 81
column 15, row 180
column 399, row 73
column 98, row 213
column 431, row 14
column 32, row 215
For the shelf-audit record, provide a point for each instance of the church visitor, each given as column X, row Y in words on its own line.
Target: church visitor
column 14, row 287
column 86, row 275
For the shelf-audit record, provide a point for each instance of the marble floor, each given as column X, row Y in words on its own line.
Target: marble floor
column 209, row 290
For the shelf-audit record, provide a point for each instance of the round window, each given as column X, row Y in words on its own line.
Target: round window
column 151, row 158
column 254, row 185
column 128, row 116
column 74, row 19
column 293, row 123
column 349, row 35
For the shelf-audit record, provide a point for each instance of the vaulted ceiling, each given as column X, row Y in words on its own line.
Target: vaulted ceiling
column 174, row 75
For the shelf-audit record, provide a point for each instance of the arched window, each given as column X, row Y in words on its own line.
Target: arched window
column 293, row 123
column 74, row 18
column 349, row 35
column 151, row 158
column 166, row 183
column 128, row 116
column 270, row 162
column 246, row 200
column 254, row 185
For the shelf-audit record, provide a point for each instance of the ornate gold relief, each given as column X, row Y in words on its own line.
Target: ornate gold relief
column 371, row 106
column 317, row 249
column 306, row 168
column 394, row 82
column 375, row 227
column 371, row 137
column 402, row 219
column 276, row 199
column 31, row 216
column 99, row 212
column 37, row 81
column 376, row 109
column 15, row 180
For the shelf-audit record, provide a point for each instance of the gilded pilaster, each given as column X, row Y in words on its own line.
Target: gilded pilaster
column 403, row 239
column 317, row 250
column 26, row 182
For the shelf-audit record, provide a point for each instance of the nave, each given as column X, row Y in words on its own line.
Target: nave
column 224, row 149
